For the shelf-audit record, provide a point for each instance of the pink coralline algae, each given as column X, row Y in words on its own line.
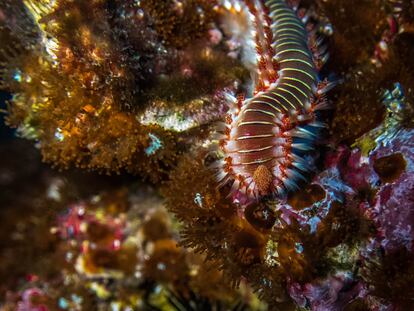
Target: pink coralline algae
column 33, row 299
column 387, row 175
column 393, row 207
column 333, row 293
column 381, row 186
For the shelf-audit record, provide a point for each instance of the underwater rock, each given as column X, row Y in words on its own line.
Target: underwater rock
column 393, row 206
column 331, row 294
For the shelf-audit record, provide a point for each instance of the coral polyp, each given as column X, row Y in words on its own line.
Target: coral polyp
column 267, row 137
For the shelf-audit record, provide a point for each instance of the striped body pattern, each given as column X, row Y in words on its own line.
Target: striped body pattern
column 265, row 138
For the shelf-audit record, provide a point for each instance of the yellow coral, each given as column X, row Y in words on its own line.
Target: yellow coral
column 180, row 22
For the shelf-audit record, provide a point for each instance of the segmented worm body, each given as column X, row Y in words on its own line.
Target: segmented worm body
column 266, row 138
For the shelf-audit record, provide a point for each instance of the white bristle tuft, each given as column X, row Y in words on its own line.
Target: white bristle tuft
column 318, row 124
column 217, row 164
column 302, row 146
column 301, row 166
column 220, row 126
column 218, row 136
column 305, row 133
column 290, row 184
column 294, row 174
